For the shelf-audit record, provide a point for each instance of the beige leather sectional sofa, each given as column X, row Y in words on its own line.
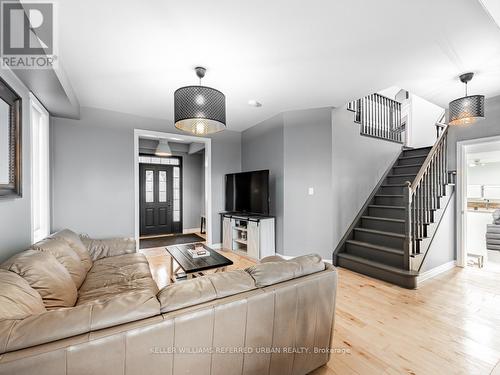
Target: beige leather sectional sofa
column 74, row 305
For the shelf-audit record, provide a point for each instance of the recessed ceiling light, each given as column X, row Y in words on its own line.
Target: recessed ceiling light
column 254, row 103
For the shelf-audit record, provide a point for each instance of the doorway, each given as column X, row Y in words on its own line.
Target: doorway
column 478, row 203
column 173, row 198
column 160, row 197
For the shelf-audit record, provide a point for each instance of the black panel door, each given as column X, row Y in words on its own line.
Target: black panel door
column 156, row 200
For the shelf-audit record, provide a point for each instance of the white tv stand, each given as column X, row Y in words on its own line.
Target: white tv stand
column 251, row 236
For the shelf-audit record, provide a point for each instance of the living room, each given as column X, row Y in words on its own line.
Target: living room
column 266, row 188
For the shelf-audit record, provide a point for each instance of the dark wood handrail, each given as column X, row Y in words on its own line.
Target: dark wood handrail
column 422, row 196
column 430, row 156
column 379, row 116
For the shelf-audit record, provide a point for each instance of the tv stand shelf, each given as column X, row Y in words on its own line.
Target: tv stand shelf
column 250, row 235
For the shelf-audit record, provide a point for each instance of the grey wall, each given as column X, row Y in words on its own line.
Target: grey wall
column 488, row 127
column 358, row 164
column 15, row 214
column 192, row 189
column 307, row 163
column 262, row 148
column 93, row 171
column 318, row 148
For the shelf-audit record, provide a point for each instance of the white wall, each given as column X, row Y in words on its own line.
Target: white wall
column 488, row 174
column 424, row 116
column 15, row 214
column 358, row 164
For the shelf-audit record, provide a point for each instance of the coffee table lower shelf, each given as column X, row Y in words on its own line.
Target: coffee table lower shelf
column 188, row 267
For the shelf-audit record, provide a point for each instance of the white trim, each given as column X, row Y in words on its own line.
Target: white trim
column 208, row 175
column 461, row 208
column 436, row 271
column 43, row 162
column 191, row 230
column 216, row 246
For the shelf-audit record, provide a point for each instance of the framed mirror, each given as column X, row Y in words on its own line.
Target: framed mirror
column 10, row 142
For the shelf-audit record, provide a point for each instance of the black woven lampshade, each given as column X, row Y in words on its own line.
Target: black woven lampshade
column 199, row 110
column 466, row 110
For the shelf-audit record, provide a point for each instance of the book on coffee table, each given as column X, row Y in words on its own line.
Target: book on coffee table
column 198, row 252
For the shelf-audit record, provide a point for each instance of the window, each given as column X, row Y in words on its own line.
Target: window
column 177, row 189
column 10, row 142
column 40, row 193
column 150, row 181
column 157, row 160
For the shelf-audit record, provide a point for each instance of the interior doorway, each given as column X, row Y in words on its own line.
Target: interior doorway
column 478, row 203
column 160, row 196
column 173, row 189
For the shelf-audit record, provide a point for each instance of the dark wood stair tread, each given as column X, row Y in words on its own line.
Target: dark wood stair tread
column 402, row 175
column 384, row 206
column 379, row 265
column 383, row 219
column 407, row 166
column 380, row 232
column 412, row 157
column 385, row 249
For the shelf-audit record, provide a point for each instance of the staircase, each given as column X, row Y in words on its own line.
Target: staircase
column 378, row 116
column 392, row 233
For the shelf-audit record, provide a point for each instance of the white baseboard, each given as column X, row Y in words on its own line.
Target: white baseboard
column 436, row 271
column 191, row 230
column 216, row 246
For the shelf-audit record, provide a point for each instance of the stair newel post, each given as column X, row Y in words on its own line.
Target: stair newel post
column 408, row 226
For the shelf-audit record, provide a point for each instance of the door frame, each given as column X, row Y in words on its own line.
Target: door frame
column 461, row 229
column 181, row 219
column 138, row 133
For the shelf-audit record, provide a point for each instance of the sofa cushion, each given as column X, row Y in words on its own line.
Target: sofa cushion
column 46, row 275
column 116, row 270
column 270, row 273
column 146, row 285
column 203, row 289
column 17, row 298
column 187, row 293
column 64, row 255
column 272, row 258
column 77, row 245
column 230, row 283
column 111, row 247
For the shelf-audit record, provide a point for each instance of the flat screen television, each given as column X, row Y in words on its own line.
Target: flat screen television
column 248, row 192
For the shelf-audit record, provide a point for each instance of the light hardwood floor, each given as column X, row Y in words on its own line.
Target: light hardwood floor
column 450, row 325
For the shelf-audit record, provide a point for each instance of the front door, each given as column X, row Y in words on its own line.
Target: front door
column 157, row 200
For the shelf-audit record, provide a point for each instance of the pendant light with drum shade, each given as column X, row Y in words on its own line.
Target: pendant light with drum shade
column 199, row 110
column 163, row 148
column 468, row 109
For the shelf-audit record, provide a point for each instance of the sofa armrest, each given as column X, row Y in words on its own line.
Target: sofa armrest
column 103, row 248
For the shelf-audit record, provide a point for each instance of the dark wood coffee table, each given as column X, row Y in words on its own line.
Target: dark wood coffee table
column 193, row 267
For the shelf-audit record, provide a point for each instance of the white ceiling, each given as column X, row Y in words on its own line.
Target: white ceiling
column 130, row 56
